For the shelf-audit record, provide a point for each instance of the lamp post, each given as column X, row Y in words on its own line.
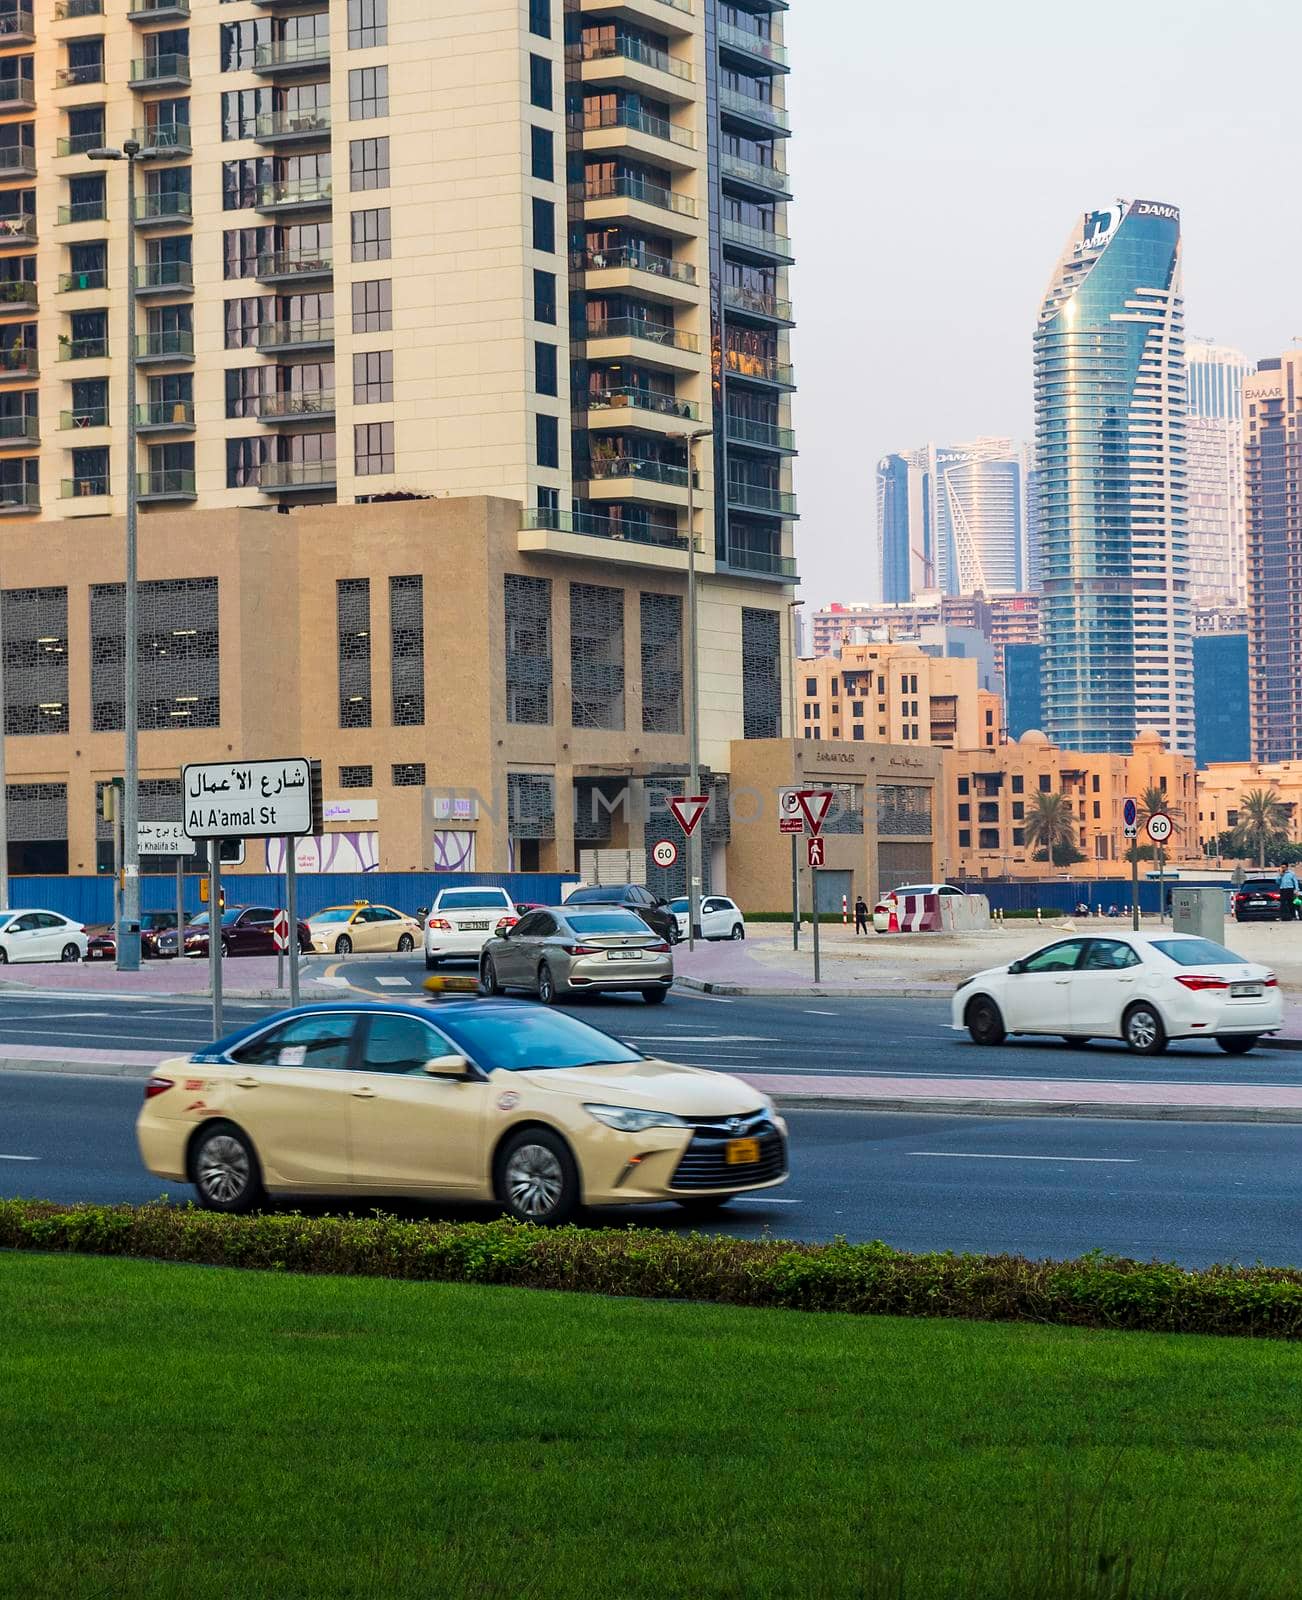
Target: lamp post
column 792, row 606
column 128, row 929
column 4, row 792
column 693, row 707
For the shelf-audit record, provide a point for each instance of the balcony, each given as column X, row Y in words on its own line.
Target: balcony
column 78, row 144
column 622, row 400
column 294, row 194
column 73, row 10
column 749, row 108
column 168, row 344
column 153, row 210
column 760, row 435
column 79, row 77
column 15, row 365
column 296, row 405
column 762, row 563
column 17, row 26
column 759, row 369
column 608, row 468
column 758, row 241
column 292, row 266
column 306, row 334
column 19, row 430
column 292, row 55
column 165, row 277
column 290, row 477
column 572, row 533
column 165, row 416
column 19, row 497
column 166, row 139
column 159, row 11
column 17, row 163
column 755, row 175
column 18, row 94
column 752, row 47
column 17, row 297
column 757, row 497
column 617, row 120
column 639, row 328
column 292, row 127
column 81, row 211
column 91, row 417
column 78, row 282
column 667, row 15
column 626, row 60
column 648, row 342
column 17, row 230
column 165, row 483
column 756, row 303
column 94, row 487
column 95, row 349
column 633, row 189
column 160, row 72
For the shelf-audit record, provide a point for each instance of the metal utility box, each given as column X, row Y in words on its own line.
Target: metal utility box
column 1200, row 911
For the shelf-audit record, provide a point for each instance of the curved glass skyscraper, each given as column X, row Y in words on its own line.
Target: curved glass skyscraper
column 1110, row 408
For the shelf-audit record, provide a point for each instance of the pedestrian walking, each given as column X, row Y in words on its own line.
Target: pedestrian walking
column 1288, row 888
column 860, row 915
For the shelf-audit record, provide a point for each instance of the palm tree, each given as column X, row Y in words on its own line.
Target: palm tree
column 1263, row 816
column 1049, row 827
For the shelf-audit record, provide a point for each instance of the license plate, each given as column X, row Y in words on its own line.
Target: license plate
column 1257, row 902
column 474, row 927
column 1245, row 991
column 623, row 955
column 741, row 1152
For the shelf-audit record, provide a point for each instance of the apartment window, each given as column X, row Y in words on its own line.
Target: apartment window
column 544, row 368
column 1019, row 810
column 549, row 441
column 528, row 606
column 965, row 813
column 409, row 775
column 245, row 459
column 544, row 156
column 1019, row 783
column 245, row 387
column 368, row 23
column 1019, row 836
column 353, row 627
column 90, row 472
column 368, row 163
column 372, row 448
column 85, row 198
column 241, row 181
column 373, row 306
column 371, row 236
column 857, row 708
column 596, row 656
column 540, row 18
column 811, row 685
column 858, row 732
column 990, row 719
column 85, row 129
column 1094, row 780
column 356, row 777
column 540, row 82
column 965, row 838
column 372, row 378
column 544, row 297
column 245, row 317
column 241, row 109
column 241, row 248
column 544, row 228
column 549, row 507
column 90, row 403
column 964, row 785
column 239, row 43
column 85, row 61
column 407, row 650
column 368, row 93
column 1046, row 783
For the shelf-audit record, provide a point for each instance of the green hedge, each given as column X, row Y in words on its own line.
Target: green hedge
column 1096, row 1291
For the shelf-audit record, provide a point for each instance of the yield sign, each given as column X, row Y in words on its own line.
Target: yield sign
column 815, row 803
column 688, row 810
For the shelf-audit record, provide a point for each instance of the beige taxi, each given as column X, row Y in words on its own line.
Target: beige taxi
column 341, row 930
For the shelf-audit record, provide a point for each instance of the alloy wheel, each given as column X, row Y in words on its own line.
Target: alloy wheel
column 1142, row 1029
column 221, row 1170
column 343, row 945
column 70, row 952
column 534, row 1180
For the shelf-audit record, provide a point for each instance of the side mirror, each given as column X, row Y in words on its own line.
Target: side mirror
column 1015, row 967
column 661, row 901
column 448, row 1067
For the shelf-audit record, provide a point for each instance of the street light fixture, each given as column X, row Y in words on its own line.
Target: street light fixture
column 128, row 929
column 693, row 707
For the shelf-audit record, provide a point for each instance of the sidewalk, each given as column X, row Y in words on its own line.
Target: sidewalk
column 243, row 978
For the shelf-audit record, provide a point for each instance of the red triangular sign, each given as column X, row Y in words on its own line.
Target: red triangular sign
column 815, row 803
column 688, row 810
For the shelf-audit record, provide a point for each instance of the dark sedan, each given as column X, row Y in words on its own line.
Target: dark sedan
column 245, row 931
column 102, row 941
column 1257, row 900
column 653, row 909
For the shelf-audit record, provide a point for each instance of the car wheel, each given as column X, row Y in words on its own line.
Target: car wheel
column 226, row 949
column 70, row 952
column 1142, row 1029
column 738, row 931
column 546, row 985
column 1237, row 1044
column 537, row 1180
column 654, row 997
column 406, row 944
column 343, row 945
column 431, row 963
column 4, row 955
column 985, row 1023
column 488, row 984
column 224, row 1169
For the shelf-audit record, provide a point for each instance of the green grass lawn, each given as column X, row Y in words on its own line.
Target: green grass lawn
column 184, row 1433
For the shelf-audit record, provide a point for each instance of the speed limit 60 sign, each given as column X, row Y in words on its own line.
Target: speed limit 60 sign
column 664, row 852
column 1159, row 827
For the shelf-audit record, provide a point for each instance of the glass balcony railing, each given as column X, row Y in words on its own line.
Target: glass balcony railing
column 754, row 109
column 293, row 264
column 756, row 173
column 17, row 230
column 16, row 294
column 165, row 414
column 93, row 485
column 754, row 44
column 81, row 211
column 308, row 124
column 767, row 240
column 638, row 328
column 95, row 349
column 304, row 331
column 20, row 497
column 625, row 46
column 595, row 117
column 77, row 144
column 294, row 192
column 276, row 475
column 287, row 405
column 17, row 162
column 19, row 363
column 75, row 282
column 597, row 526
column 607, row 467
column 759, row 497
column 665, row 405
column 166, row 138
column 87, row 417
column 164, row 275
column 14, row 430
column 742, row 559
column 157, row 10
column 160, row 69
column 762, row 369
column 632, row 258
column 19, row 91
column 165, row 344
column 164, row 207
column 79, row 77
column 629, row 188
column 291, row 53
column 756, row 302
column 166, row 483
column 764, row 435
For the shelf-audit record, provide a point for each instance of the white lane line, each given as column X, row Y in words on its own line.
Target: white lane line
column 20, row 1158
column 698, row 1038
column 975, row 1155
column 395, row 983
column 812, row 1013
column 763, row 1200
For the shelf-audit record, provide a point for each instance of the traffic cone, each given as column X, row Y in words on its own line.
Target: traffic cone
column 893, row 925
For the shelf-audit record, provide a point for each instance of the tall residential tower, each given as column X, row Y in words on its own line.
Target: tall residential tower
column 1217, row 548
column 1112, row 527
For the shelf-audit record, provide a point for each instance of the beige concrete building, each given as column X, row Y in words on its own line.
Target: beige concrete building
column 1223, row 784
column 895, row 694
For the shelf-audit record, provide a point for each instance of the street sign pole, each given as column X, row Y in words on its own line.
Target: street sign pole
column 1161, row 893
column 795, row 896
column 1134, row 885
column 180, row 908
column 813, row 893
column 291, row 906
column 215, row 933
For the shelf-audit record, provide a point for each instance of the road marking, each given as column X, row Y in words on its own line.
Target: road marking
column 763, row 1200
column 20, row 1158
column 976, row 1155
column 811, row 1013
column 395, row 983
column 698, row 1038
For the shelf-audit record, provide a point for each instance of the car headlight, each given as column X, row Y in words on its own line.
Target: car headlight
column 628, row 1119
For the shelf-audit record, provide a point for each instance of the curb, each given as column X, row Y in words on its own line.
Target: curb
column 822, row 992
column 1105, row 1111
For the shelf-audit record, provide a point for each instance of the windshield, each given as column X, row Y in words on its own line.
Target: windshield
column 1198, row 953
column 917, row 888
column 231, row 914
column 158, row 919
column 606, row 922
column 524, row 1039
column 470, row 899
column 608, row 894
column 1255, row 885
column 334, row 914
column 678, row 906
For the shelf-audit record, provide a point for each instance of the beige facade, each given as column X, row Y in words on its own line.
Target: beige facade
column 992, row 792
column 894, row 694
column 887, row 826
column 1222, row 786
column 1003, row 618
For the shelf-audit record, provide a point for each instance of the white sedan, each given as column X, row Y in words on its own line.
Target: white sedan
column 1145, row 988
column 721, row 918
column 40, row 936
column 891, row 902
column 462, row 921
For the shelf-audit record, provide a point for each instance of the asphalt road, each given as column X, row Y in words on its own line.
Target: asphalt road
column 1192, row 1192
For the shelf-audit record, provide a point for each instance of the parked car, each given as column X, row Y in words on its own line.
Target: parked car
column 1145, row 988
column 40, row 936
column 1256, row 900
column 890, row 902
column 362, row 926
column 488, row 1100
column 102, row 940
column 569, row 949
column 721, row 918
column 653, row 909
column 245, row 931
column 461, row 922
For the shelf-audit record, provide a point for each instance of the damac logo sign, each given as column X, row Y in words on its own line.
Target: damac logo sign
column 1152, row 208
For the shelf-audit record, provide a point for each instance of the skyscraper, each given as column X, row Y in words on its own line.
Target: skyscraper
column 1272, row 402
column 1217, row 545
column 1110, row 410
column 908, row 564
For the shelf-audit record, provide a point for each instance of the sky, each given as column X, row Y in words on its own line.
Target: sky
column 941, row 152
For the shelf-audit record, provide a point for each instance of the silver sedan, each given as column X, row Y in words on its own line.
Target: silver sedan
column 555, row 951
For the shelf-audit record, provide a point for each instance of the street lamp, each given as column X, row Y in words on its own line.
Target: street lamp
column 693, row 708
column 792, row 607
column 128, row 929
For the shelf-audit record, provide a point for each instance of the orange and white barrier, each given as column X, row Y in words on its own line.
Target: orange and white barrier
column 919, row 913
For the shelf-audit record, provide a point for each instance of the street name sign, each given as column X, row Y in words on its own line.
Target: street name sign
column 163, row 839
column 247, row 799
